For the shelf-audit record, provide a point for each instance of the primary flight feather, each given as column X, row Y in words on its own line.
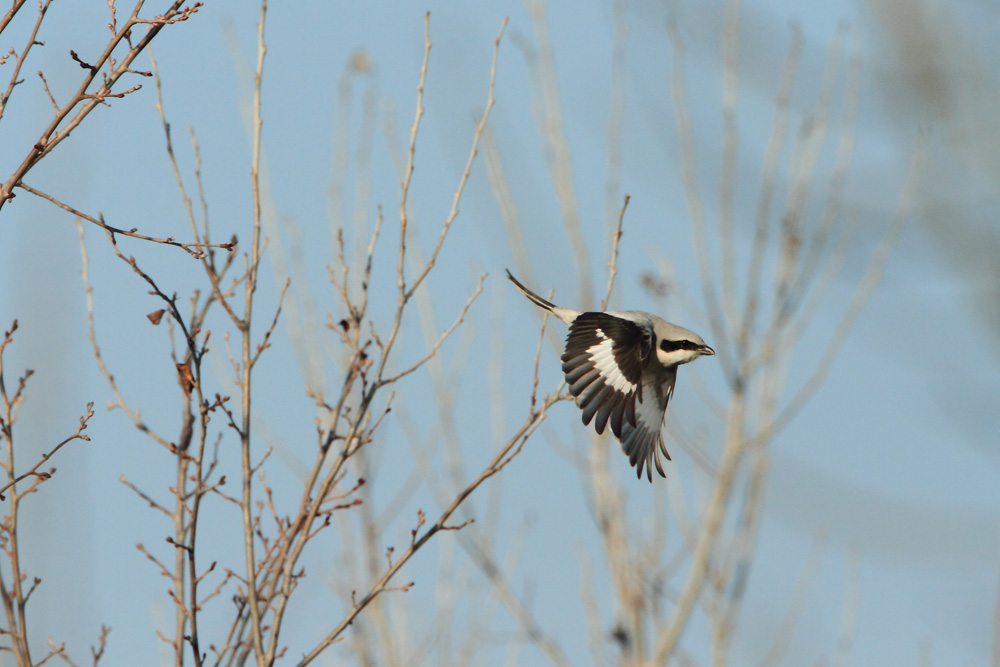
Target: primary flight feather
column 621, row 367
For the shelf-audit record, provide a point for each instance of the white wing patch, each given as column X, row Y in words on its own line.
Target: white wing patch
column 602, row 356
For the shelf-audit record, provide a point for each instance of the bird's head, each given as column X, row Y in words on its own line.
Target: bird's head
column 676, row 345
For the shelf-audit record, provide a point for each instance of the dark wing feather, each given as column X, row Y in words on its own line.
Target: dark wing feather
column 604, row 362
column 643, row 441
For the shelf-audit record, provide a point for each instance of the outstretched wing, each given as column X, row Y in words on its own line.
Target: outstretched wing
column 604, row 362
column 643, row 442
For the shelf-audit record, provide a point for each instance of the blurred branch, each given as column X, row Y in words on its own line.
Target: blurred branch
column 478, row 549
column 616, row 110
column 871, row 278
column 849, row 613
column 613, row 264
column 730, row 145
column 757, row 366
column 769, row 172
column 720, row 330
column 711, row 523
column 558, row 156
column 786, row 628
column 521, row 613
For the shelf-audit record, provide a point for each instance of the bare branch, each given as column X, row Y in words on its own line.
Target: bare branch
column 491, row 99
column 32, row 41
column 444, row 335
column 256, row 628
column 135, row 416
column 557, row 150
column 190, row 248
column 77, row 435
column 613, row 264
column 501, row 459
column 83, row 102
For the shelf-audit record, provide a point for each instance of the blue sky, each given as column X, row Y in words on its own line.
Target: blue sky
column 889, row 473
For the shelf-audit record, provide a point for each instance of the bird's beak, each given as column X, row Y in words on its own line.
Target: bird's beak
column 706, row 351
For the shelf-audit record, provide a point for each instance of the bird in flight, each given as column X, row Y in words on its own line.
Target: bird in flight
column 621, row 367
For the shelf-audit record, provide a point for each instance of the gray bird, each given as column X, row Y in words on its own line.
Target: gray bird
column 621, row 367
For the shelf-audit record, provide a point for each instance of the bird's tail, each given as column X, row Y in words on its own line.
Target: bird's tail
column 532, row 297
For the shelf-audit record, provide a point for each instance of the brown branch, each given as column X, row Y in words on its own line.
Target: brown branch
column 473, row 151
column 102, row 641
column 263, row 345
column 102, row 97
column 163, row 568
column 32, row 41
column 444, row 335
column 202, row 240
column 253, row 599
column 78, row 435
column 66, row 120
column 310, row 510
column 132, row 233
column 45, row 85
column 152, row 503
column 501, row 459
column 53, row 651
column 15, row 6
column 165, row 19
column 91, row 332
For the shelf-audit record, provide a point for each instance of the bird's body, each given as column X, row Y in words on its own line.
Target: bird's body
column 621, row 367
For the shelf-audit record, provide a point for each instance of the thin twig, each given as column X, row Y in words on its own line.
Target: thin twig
column 135, row 416
column 769, row 170
column 558, row 156
column 77, row 435
column 300, row 533
column 849, row 613
column 872, row 276
column 256, row 625
column 473, row 151
column 444, row 335
column 22, row 56
column 82, row 103
column 501, row 459
column 730, row 145
column 786, row 628
column 716, row 316
column 189, row 248
column 613, row 264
